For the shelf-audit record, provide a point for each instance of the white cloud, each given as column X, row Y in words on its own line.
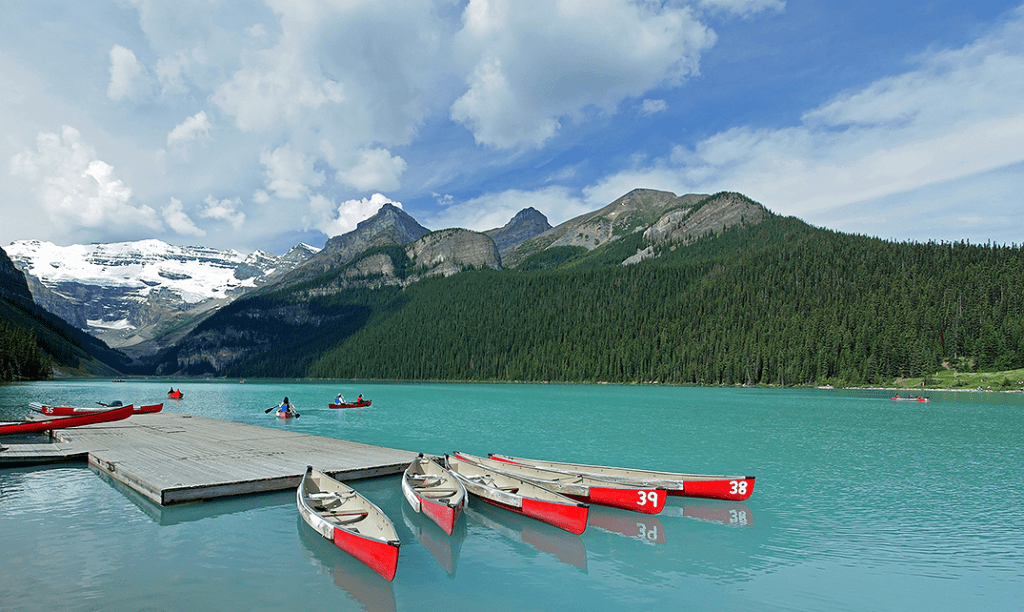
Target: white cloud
column 336, row 220
column 179, row 221
column 957, row 113
column 290, row 174
column 377, row 169
column 494, row 210
column 224, row 210
column 744, row 8
column 196, row 127
column 536, row 62
column 653, row 107
column 124, row 73
column 74, row 188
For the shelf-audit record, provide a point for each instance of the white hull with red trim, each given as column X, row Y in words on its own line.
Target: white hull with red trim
column 520, row 496
column 647, row 500
column 434, row 491
column 733, row 488
column 354, row 523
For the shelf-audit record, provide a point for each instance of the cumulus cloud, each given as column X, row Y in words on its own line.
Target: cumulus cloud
column 196, row 127
column 178, row 219
column 538, row 62
column 377, row 169
column 290, row 174
column 75, row 188
column 124, row 73
column 494, row 210
column 335, row 220
column 224, row 210
column 956, row 113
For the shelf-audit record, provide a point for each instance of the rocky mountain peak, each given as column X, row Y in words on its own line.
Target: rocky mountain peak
column 389, row 226
column 526, row 224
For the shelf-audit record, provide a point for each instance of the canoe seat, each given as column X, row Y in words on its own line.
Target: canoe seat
column 437, row 493
column 345, row 517
column 425, row 481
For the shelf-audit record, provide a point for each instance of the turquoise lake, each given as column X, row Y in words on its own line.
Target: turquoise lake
column 861, row 503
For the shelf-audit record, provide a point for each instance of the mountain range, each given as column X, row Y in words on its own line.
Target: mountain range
column 653, row 287
column 141, row 296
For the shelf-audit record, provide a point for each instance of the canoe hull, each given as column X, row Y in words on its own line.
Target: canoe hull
column 522, row 497
column 73, row 410
column 358, row 526
column 105, row 416
column 435, row 492
column 176, row 395
column 361, row 404
column 649, row 500
column 732, row 488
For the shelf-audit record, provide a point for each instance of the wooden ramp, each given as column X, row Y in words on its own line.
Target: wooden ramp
column 175, row 458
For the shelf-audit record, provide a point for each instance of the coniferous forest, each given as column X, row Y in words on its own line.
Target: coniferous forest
column 776, row 303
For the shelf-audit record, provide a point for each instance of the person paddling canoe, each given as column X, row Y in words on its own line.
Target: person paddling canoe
column 285, row 407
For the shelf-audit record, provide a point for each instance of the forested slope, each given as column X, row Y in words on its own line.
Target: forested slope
column 775, row 303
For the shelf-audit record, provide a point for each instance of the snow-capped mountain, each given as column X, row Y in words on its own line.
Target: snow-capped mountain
column 129, row 293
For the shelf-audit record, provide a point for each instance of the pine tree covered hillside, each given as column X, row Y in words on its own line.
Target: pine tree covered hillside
column 760, row 299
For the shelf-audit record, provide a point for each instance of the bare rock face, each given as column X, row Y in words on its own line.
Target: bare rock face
column 527, row 223
column 633, row 212
column 722, row 211
column 390, row 226
column 451, row 251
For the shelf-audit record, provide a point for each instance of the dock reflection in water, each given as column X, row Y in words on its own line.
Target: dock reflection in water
column 566, row 547
column 711, row 511
column 443, row 547
column 644, row 527
column 364, row 585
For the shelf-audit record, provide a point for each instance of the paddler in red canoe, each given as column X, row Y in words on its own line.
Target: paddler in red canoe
column 286, row 407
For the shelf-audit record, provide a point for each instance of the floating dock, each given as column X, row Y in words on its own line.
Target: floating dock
column 177, row 458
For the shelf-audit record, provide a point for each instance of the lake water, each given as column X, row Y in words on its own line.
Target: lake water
column 861, row 503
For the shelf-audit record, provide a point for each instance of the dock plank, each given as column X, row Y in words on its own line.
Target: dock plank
column 174, row 458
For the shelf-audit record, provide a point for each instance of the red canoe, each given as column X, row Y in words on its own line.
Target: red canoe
column 281, row 414
column 733, row 488
column 359, row 404
column 520, row 496
column 175, row 394
column 581, row 487
column 355, row 524
column 909, row 399
column 89, row 418
column 434, row 491
column 74, row 410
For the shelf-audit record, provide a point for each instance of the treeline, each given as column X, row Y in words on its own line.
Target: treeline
column 20, row 356
column 777, row 303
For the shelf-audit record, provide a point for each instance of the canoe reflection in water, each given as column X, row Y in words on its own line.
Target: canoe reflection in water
column 725, row 513
column 373, row 593
column 646, row 528
column 444, row 547
column 566, row 547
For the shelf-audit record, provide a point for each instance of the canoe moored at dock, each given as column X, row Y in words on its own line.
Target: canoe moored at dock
column 73, row 410
column 354, row 523
column 434, row 491
column 582, row 487
column 733, row 488
column 61, row 422
column 520, row 496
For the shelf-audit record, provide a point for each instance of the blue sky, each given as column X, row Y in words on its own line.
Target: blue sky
column 257, row 125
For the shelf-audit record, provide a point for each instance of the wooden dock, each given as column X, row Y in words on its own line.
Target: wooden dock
column 176, row 458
